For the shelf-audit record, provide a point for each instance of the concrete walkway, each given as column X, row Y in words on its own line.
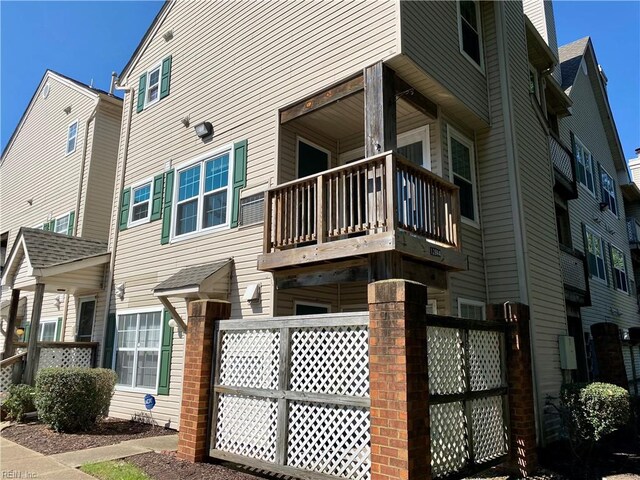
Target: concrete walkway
column 17, row 461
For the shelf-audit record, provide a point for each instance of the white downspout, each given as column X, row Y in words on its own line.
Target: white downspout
column 74, row 231
column 114, row 244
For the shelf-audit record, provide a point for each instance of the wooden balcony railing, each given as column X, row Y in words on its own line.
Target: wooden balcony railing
column 564, row 166
column 374, row 195
column 633, row 230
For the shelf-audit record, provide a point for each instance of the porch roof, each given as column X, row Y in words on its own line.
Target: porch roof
column 193, row 281
column 40, row 256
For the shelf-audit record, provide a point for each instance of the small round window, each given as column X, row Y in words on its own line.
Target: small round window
column 45, row 90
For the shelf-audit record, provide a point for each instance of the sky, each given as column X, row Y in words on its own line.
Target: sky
column 87, row 40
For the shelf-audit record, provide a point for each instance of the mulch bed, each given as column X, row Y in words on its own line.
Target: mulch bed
column 165, row 466
column 38, row 437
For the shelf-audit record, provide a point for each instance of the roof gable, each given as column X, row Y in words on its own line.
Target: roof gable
column 82, row 88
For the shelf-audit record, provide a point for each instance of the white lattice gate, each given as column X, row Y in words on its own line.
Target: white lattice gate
column 467, row 395
column 291, row 395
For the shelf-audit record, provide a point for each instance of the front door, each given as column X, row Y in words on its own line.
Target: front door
column 86, row 316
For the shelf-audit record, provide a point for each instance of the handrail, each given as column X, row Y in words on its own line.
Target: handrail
column 372, row 195
column 11, row 360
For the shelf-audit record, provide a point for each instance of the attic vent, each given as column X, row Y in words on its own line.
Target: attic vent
column 45, row 90
column 252, row 209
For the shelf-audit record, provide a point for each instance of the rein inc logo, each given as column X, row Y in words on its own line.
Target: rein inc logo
column 18, row 474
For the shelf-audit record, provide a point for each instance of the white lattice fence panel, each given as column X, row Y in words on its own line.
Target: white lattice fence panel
column 250, row 358
column 485, row 360
column 489, row 430
column 247, row 426
column 6, row 374
column 446, row 361
column 65, row 357
column 332, row 360
column 448, row 438
column 330, row 439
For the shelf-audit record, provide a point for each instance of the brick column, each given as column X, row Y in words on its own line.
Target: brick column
column 523, row 449
column 400, row 446
column 196, row 384
column 608, row 346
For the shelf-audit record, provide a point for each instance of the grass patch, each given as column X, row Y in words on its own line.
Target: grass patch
column 114, row 470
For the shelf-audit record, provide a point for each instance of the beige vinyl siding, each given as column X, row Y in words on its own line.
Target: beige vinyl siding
column 540, row 12
column 100, row 173
column 545, row 290
column 587, row 124
column 430, row 38
column 36, row 166
column 280, row 56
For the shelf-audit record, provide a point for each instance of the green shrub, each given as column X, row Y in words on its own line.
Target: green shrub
column 594, row 410
column 19, row 402
column 72, row 399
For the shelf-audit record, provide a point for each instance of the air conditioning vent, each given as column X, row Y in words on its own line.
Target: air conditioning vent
column 252, row 209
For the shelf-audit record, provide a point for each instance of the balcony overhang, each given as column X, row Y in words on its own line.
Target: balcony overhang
column 540, row 55
column 558, row 102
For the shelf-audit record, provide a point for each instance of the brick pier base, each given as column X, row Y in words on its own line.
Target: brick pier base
column 196, row 385
column 400, row 447
column 523, row 448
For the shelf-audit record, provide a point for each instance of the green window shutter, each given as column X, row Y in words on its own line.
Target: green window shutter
column 165, row 355
column 52, row 226
column 107, row 359
column 59, row 335
column 165, row 80
column 124, row 208
column 156, row 204
column 166, row 207
column 239, row 178
column 72, row 217
column 45, row 226
column 142, row 91
column 27, row 330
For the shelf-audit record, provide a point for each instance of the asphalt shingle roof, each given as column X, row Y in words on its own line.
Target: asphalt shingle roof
column 47, row 249
column 190, row 277
column 570, row 58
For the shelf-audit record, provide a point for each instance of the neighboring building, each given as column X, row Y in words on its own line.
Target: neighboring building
column 56, row 185
column 188, row 216
column 631, row 192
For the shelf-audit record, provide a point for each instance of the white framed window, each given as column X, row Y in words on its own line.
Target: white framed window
column 47, row 330
column 471, row 309
column 140, row 210
column 462, row 172
column 584, row 166
column 414, row 145
column 72, row 137
column 61, row 224
column 470, row 32
column 595, row 255
column 534, row 82
column 152, row 95
column 608, row 191
column 202, row 198
column 137, row 349
column 620, row 278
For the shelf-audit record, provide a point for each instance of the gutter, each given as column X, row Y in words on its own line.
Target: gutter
column 120, row 186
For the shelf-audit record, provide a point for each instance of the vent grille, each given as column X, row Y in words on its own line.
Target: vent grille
column 252, row 209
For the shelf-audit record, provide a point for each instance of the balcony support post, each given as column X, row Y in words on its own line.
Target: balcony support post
column 379, row 110
column 11, row 325
column 32, row 347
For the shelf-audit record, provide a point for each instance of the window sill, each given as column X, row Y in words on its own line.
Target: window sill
column 584, row 187
column 138, row 222
column 124, row 388
column 599, row 280
column 190, row 235
column 469, row 222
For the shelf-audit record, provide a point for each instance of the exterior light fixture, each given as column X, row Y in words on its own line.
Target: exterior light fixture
column 252, row 293
column 603, row 206
column 204, row 129
column 119, row 291
column 20, row 331
column 57, row 301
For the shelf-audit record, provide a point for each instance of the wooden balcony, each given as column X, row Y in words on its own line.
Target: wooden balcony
column 378, row 204
column 564, row 167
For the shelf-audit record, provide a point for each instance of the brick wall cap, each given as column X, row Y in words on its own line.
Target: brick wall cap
column 397, row 290
column 217, row 309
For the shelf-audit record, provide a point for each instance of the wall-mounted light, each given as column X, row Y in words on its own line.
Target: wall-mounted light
column 57, row 301
column 252, row 293
column 185, row 121
column 20, row 331
column 67, row 110
column 204, row 129
column 119, row 291
column 603, row 206
column 168, row 35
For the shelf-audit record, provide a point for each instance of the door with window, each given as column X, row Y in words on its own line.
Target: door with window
column 86, row 317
